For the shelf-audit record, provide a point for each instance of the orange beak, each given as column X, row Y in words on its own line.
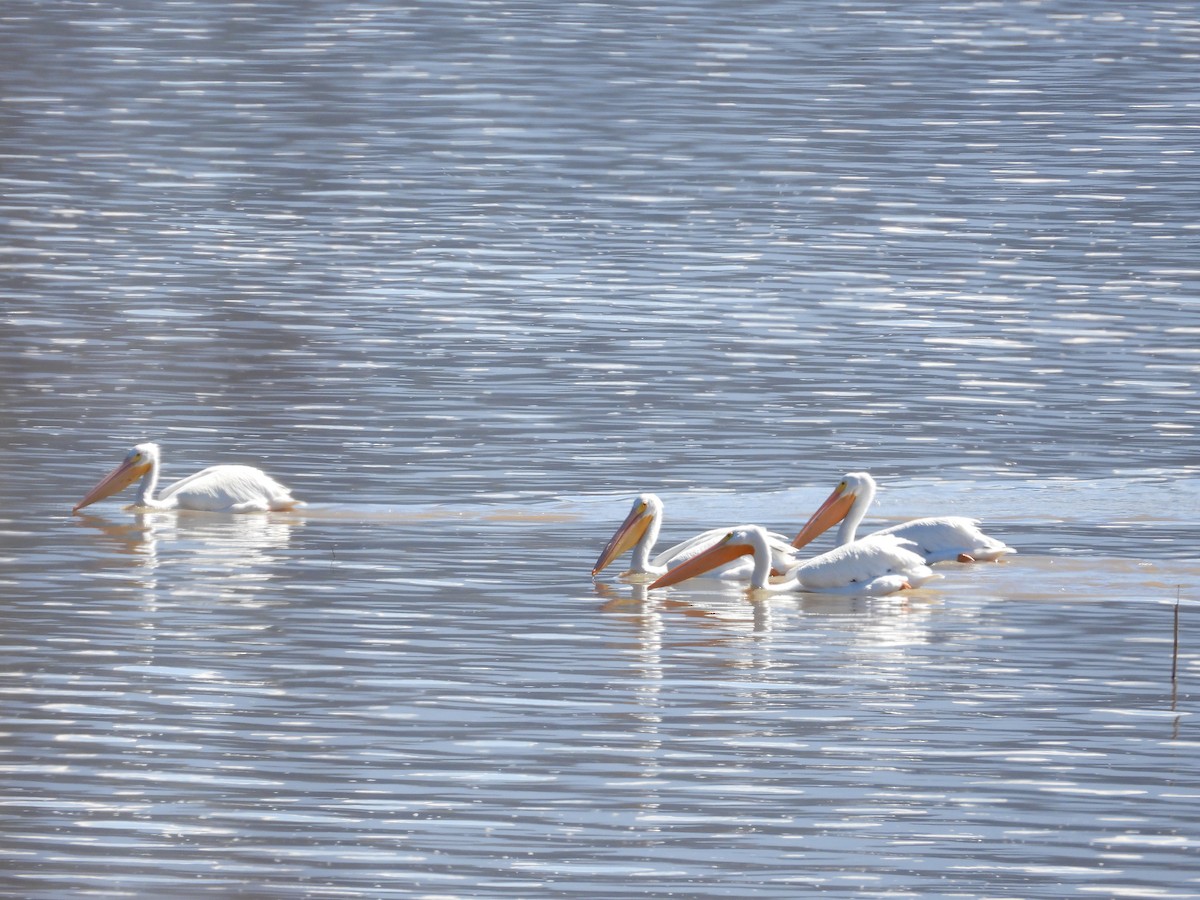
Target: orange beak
column 117, row 480
column 722, row 552
column 832, row 511
column 626, row 536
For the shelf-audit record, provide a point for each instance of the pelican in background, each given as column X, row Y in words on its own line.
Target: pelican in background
column 937, row 539
column 231, row 489
column 872, row 567
column 640, row 531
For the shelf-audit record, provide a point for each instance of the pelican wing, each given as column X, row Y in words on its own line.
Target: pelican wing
column 229, row 489
column 862, row 562
column 943, row 538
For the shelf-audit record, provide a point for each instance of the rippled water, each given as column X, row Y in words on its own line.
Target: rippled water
column 466, row 277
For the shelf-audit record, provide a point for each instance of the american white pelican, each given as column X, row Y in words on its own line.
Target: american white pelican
column 871, row 567
column 938, row 539
column 232, row 489
column 640, row 531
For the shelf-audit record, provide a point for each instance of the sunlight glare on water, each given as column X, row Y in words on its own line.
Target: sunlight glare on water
column 467, row 279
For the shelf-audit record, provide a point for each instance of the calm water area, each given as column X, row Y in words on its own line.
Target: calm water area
column 467, row 276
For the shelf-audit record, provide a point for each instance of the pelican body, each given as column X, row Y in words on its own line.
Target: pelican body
column 231, row 489
column 871, row 567
column 937, row 539
column 639, row 533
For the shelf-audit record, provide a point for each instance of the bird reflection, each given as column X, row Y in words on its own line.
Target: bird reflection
column 636, row 601
column 224, row 556
column 127, row 537
column 894, row 622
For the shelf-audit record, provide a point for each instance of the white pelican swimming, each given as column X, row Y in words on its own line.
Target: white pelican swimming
column 640, row 531
column 231, row 489
column 871, row 567
column 938, row 539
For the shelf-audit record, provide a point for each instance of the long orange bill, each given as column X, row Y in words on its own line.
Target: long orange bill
column 626, row 536
column 832, row 511
column 717, row 555
column 117, row 480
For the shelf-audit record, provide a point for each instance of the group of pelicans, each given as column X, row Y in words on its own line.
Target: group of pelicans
column 892, row 559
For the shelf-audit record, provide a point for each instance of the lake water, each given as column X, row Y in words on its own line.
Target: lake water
column 467, row 277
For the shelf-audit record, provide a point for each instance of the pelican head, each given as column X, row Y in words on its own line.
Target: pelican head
column 855, row 491
column 137, row 463
column 737, row 542
column 642, row 523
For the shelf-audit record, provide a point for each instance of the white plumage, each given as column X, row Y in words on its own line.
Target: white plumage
column 871, row 567
column 640, row 530
column 937, row 539
column 232, row 489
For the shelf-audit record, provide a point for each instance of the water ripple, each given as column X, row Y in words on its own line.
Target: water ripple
column 467, row 279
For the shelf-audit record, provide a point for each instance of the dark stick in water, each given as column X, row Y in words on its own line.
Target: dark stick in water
column 1175, row 650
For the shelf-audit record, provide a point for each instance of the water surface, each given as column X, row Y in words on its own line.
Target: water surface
column 467, row 278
